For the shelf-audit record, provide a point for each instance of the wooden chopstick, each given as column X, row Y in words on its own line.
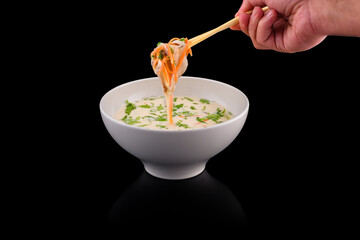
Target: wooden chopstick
column 195, row 40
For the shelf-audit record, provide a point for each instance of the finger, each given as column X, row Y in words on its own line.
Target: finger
column 245, row 5
column 248, row 5
column 236, row 27
column 265, row 28
column 244, row 19
column 253, row 24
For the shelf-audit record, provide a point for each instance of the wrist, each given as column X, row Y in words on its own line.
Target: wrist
column 336, row 17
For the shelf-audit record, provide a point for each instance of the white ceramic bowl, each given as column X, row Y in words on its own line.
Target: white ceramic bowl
column 175, row 154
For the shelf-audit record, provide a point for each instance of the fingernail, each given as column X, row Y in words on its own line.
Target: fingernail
column 269, row 13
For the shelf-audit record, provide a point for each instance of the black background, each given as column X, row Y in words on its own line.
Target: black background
column 291, row 169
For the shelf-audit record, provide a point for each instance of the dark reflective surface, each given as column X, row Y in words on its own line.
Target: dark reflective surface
column 192, row 205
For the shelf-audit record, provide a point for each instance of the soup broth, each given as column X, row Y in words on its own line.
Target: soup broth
column 187, row 113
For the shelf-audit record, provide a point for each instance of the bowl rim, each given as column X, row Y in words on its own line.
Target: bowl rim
column 245, row 111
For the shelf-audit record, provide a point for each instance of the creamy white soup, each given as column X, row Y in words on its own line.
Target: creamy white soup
column 187, row 113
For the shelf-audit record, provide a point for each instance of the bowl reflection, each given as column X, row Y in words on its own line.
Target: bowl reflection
column 190, row 204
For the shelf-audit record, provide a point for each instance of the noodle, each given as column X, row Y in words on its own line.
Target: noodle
column 169, row 63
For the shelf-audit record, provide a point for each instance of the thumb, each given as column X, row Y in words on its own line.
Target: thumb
column 236, row 26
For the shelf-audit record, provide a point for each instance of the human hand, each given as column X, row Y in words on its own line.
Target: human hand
column 287, row 27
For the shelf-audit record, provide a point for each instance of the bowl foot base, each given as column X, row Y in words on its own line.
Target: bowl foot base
column 175, row 172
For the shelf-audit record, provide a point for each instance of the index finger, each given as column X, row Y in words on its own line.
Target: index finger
column 248, row 5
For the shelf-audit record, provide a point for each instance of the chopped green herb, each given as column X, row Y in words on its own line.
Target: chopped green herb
column 175, row 99
column 145, row 106
column 189, row 99
column 161, row 126
column 201, row 120
column 161, row 118
column 214, row 117
column 150, row 118
column 129, row 107
column 158, row 43
column 192, row 107
column 159, row 108
column 186, row 113
column 219, row 112
column 180, row 124
column 156, row 118
column 203, row 100
column 177, row 106
column 129, row 120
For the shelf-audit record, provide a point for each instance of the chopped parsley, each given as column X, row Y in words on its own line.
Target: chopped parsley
column 159, row 108
column 180, row 124
column 129, row 120
column 203, row 100
column 202, row 120
column 145, row 106
column 156, row 118
column 176, row 107
column 129, row 107
column 214, row 117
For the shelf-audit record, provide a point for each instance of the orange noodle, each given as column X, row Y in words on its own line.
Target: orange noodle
column 169, row 62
